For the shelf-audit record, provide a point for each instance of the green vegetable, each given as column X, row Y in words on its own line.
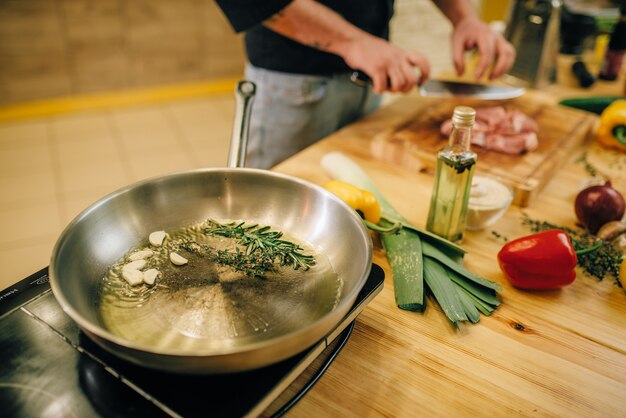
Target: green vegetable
column 406, row 268
column 486, row 295
column 433, row 252
column 468, row 306
column 444, row 290
column 591, row 104
column 480, row 305
column 417, row 256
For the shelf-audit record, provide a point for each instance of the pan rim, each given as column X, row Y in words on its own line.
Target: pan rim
column 94, row 329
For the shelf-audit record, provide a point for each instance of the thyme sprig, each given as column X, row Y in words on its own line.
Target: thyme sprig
column 260, row 244
column 499, row 236
column 605, row 260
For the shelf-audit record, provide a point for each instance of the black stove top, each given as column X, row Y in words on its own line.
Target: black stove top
column 51, row 369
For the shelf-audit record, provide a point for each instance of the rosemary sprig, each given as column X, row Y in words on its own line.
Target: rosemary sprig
column 261, row 242
column 459, row 164
column 253, row 265
column 605, row 260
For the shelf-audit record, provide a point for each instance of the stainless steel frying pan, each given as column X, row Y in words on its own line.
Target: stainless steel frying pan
column 255, row 323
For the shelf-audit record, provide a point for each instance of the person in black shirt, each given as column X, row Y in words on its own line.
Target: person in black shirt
column 301, row 54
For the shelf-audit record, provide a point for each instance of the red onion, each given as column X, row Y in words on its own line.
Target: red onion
column 597, row 205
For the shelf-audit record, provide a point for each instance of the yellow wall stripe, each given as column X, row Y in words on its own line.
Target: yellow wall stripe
column 99, row 101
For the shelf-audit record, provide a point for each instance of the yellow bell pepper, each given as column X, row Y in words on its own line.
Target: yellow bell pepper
column 622, row 273
column 612, row 130
column 360, row 200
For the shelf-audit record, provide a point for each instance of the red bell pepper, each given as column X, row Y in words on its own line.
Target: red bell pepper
column 545, row 260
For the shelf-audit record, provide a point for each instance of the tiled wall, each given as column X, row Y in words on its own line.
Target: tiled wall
column 421, row 27
column 54, row 48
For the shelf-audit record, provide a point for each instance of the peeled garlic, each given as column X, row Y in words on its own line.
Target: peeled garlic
column 178, row 259
column 156, row 238
column 132, row 276
column 135, row 265
column 140, row 255
column 149, row 276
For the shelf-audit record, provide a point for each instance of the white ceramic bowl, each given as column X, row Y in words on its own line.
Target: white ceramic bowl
column 488, row 201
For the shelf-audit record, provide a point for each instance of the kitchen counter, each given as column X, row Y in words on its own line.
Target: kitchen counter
column 550, row 353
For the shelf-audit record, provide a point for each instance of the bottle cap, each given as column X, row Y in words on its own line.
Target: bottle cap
column 463, row 116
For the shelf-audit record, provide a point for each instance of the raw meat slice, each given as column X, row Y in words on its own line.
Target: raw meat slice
column 498, row 129
column 511, row 144
column 492, row 116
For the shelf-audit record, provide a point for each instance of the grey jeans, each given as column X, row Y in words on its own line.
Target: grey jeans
column 292, row 111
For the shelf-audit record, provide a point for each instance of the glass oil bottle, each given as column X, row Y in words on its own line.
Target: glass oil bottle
column 453, row 179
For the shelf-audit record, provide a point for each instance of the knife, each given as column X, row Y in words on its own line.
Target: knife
column 441, row 88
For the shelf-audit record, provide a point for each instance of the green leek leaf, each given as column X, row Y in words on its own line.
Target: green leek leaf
column 433, row 252
column 444, row 290
column 404, row 253
column 468, row 305
column 483, row 307
column 481, row 292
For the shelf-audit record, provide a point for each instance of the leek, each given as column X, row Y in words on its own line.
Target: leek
column 407, row 269
column 468, row 306
column 484, row 294
column 433, row 252
column 444, row 291
column 480, row 305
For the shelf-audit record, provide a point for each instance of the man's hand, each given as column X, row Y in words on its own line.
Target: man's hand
column 313, row 24
column 470, row 33
column 390, row 67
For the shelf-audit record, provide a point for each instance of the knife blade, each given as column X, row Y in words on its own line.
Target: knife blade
column 442, row 88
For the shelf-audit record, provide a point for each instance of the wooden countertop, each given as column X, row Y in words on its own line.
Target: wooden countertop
column 554, row 353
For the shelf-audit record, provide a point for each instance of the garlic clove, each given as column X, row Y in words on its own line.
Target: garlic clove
column 132, row 276
column 149, row 276
column 135, row 265
column 178, row 259
column 620, row 244
column 611, row 230
column 140, row 255
column 156, row 238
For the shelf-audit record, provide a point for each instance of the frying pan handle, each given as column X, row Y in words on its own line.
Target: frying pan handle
column 244, row 94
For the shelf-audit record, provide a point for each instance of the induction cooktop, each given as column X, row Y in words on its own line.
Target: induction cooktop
column 51, row 369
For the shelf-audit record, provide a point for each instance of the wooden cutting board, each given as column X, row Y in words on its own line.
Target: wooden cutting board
column 414, row 142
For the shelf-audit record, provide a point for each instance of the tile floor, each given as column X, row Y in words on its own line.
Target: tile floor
column 52, row 168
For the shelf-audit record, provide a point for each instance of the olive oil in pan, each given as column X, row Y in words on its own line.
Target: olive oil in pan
column 205, row 305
